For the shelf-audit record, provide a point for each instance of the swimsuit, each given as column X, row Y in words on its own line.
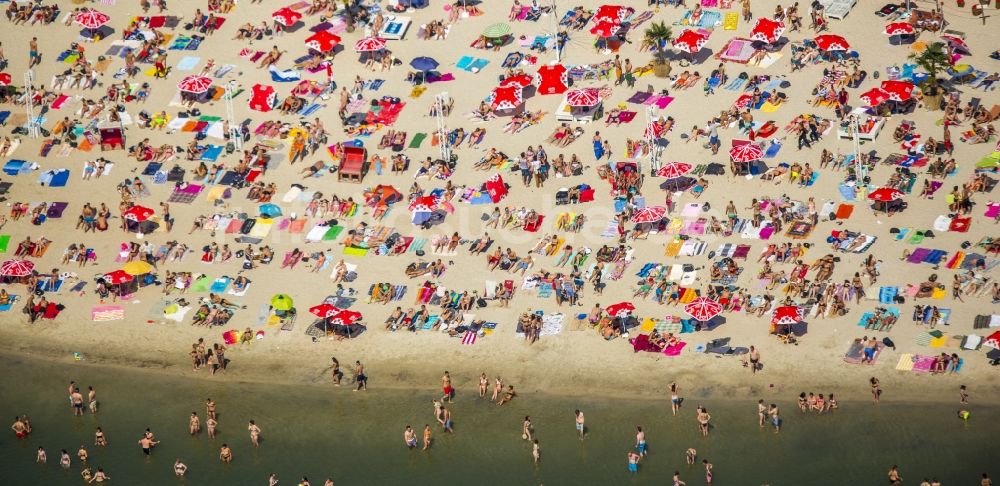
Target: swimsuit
column 641, row 447
column 633, row 467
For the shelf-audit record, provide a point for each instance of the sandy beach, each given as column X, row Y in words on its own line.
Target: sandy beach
column 574, row 360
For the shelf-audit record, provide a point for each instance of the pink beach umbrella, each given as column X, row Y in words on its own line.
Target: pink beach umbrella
column 195, row 84
column 370, row 44
column 16, row 268
column 746, row 153
column 649, row 214
column 673, row 170
column 91, row 19
column 583, row 97
column 703, row 309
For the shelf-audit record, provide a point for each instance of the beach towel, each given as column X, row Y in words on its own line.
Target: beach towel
column 107, row 313
column 202, row 284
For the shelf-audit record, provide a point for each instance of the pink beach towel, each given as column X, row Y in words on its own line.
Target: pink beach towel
column 992, row 210
column 674, row 350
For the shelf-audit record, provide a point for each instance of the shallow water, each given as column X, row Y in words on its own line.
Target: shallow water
column 356, row 438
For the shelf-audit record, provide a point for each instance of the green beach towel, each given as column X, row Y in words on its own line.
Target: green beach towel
column 417, row 140
column 202, row 284
column 332, row 233
column 4, row 242
column 350, row 250
column 916, row 238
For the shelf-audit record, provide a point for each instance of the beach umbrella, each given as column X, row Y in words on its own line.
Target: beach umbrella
column 345, row 317
column 898, row 28
column 993, row 340
column 677, row 184
column 324, row 310
column 786, row 314
column 262, row 97
column 885, row 194
column 117, row 277
column 269, row 210
column 506, row 98
column 16, row 268
column 195, row 84
column 831, row 42
column 583, row 97
column 620, row 309
column 746, row 153
column 496, row 187
column 604, row 29
column 422, row 208
column 286, row 16
column 282, row 302
column 703, row 309
column 552, row 79
column 614, row 14
column 137, row 213
column 955, row 41
column 91, row 19
column 690, row 41
column 767, row 30
column 874, row 96
column 673, row 170
column 497, row 30
column 649, row 214
column 5, row 79
column 654, row 129
column 521, row 80
column 423, row 63
column 369, row 44
column 898, row 90
column 137, row 267
column 322, row 41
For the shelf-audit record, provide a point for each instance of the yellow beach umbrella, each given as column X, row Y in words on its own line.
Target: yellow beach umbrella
column 137, row 268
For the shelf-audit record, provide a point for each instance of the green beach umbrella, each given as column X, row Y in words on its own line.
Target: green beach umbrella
column 282, row 302
column 988, row 163
column 496, row 30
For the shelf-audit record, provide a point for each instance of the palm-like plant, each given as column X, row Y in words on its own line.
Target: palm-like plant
column 933, row 59
column 658, row 35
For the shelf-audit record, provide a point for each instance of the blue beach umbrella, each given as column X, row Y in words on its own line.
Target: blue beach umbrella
column 269, row 210
column 423, row 63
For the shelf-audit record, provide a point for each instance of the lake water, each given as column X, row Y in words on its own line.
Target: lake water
column 356, row 438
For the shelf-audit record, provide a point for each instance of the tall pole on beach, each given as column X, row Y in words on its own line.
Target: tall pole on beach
column 441, row 100
column 29, row 106
column 235, row 134
column 554, row 15
column 654, row 150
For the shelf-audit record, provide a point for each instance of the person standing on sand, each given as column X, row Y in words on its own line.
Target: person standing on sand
column 360, row 377
column 675, row 399
column 254, row 434
column 446, row 387
column 754, row 359
column 894, row 477
column 876, row 391
column 580, row 423
column 34, row 57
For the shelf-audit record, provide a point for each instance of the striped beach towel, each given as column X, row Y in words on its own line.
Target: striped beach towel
column 469, row 338
column 107, row 313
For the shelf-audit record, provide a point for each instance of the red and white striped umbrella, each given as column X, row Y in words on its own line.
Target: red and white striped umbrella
column 614, row 14
column 874, row 96
column 745, row 153
column 286, row 16
column 690, row 41
column 786, row 314
column 506, row 98
column 138, row 213
column 955, row 41
column 831, row 42
column 369, row 44
column 322, row 41
column 649, row 214
column 620, row 309
column 583, row 97
column 898, row 90
column 345, row 318
column 91, row 19
column 521, row 81
column 16, row 268
column 552, row 79
column 195, row 84
column 604, row 29
column 767, row 30
column 703, row 309
column 118, row 277
column 673, row 170
column 324, row 311
column 899, row 28
column 885, row 194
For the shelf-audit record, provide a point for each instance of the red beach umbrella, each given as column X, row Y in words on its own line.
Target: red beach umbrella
column 324, row 311
column 690, row 41
column 506, row 98
column 620, row 309
column 885, row 194
column 5, row 79
column 16, row 268
column 345, row 317
column 874, row 96
column 746, row 153
column 424, row 204
column 993, row 340
column 262, row 97
column 138, row 213
column 673, row 170
column 117, row 277
column 286, row 16
column 552, row 79
column 369, row 44
column 832, row 42
column 604, row 29
column 786, row 314
column 898, row 28
column 496, row 187
column 650, row 214
column 91, row 19
column 322, row 41
column 898, row 90
column 614, row 14
column 583, row 97
column 703, row 309
column 521, row 81
column 767, row 30
column 955, row 41
column 195, row 84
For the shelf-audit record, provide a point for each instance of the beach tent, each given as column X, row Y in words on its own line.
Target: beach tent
column 551, row 79
column 496, row 187
column 262, row 97
column 282, row 302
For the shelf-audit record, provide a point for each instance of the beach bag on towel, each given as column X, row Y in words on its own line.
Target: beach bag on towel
column 247, row 226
